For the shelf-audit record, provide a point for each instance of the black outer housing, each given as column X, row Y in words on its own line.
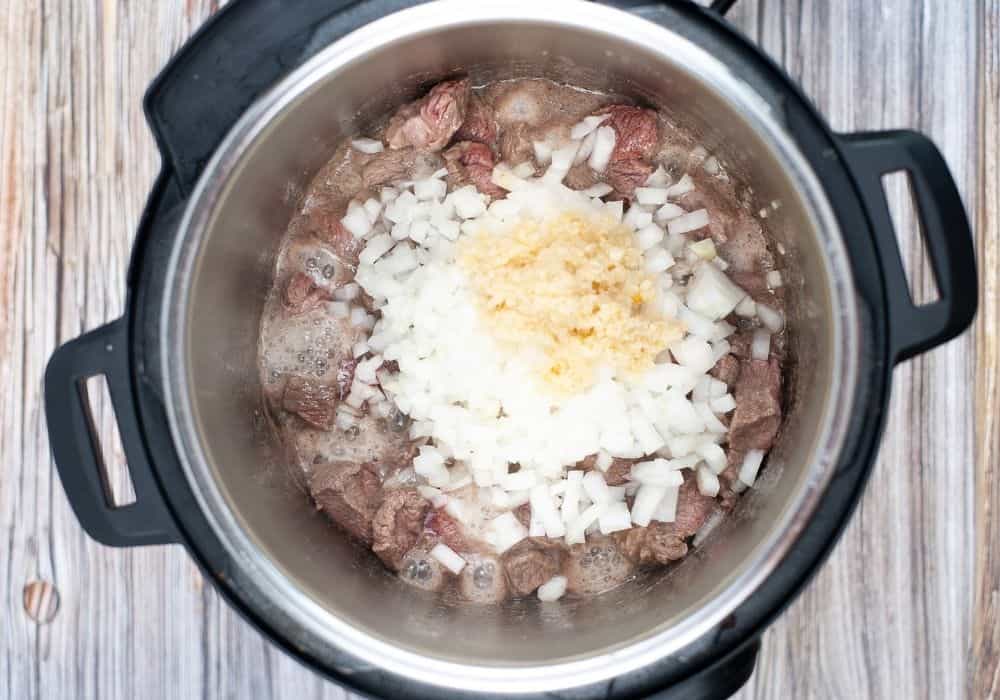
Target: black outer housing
column 251, row 44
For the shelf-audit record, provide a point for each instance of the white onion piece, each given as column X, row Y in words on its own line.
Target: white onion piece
column 708, row 482
column 760, row 346
column 525, row 169
column 349, row 291
column 600, row 189
column 586, row 148
column 615, row 517
column 746, row 308
column 543, row 152
column 562, row 161
column 658, row 178
column 596, row 487
column 651, row 195
column 603, row 461
column 576, row 530
column 369, row 146
column 712, row 423
column 667, row 212
column 388, row 194
column 339, row 309
column 614, row 209
column 656, row 472
column 604, row 145
column 356, row 221
column 723, row 404
column 774, row 279
column 771, row 318
column 588, row 125
column 365, row 370
column 657, row 260
column 714, row 456
column 691, row 221
column 455, row 508
column 704, row 249
column 468, row 202
column 359, row 349
column 697, row 325
column 637, row 218
column 667, row 510
column 428, row 492
column 750, row 467
column 536, row 528
column 571, row 496
column 506, row 531
column 544, row 508
column 553, row 589
column 519, row 481
column 430, row 188
column 694, row 354
column 712, row 294
column 648, row 236
column 647, row 500
column 721, row 348
column 681, row 187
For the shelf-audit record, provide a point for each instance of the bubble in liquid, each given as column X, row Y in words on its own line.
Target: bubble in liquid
column 352, row 432
column 328, row 271
column 400, row 421
column 311, row 263
column 482, row 575
column 301, row 357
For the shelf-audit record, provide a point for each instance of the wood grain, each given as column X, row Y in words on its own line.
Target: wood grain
column 984, row 679
column 891, row 615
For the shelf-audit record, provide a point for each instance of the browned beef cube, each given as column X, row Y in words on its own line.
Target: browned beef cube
column 349, row 494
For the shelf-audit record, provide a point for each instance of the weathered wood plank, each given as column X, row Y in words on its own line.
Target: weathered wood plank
column 890, row 615
column 984, row 678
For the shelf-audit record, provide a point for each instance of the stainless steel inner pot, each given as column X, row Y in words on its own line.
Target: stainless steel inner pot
column 222, row 268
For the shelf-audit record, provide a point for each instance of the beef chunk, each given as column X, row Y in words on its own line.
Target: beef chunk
column 758, row 406
column 480, row 123
column 627, row 174
column 693, row 508
column 637, row 132
column 349, row 494
column 530, row 563
column 754, row 283
column 470, row 162
column 395, row 165
column 580, row 177
column 740, row 343
column 448, row 530
column 746, row 249
column 397, row 525
column 619, row 471
column 659, row 543
column 515, row 145
column 303, row 294
column 727, row 369
column 728, row 477
column 523, row 514
column 312, row 401
column 429, row 123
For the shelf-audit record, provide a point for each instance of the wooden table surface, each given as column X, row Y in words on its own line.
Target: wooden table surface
column 907, row 605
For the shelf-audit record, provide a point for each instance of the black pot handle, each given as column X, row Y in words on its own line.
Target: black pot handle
column 77, row 451
column 718, row 681
column 943, row 224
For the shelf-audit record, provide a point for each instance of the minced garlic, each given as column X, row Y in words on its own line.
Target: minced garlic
column 573, row 288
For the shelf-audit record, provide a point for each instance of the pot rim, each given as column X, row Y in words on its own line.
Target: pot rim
column 267, row 576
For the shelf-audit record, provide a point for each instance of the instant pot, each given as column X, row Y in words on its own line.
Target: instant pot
column 251, row 108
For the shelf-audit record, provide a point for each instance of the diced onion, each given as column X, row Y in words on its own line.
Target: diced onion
column 543, row 152
column 507, row 531
column 651, row 195
column 603, row 461
column 723, row 404
column 658, row 178
column 614, row 518
column 598, row 190
column 760, row 346
column 681, row 187
column 604, row 145
column 648, row 236
column 771, row 318
column 596, row 487
column 448, row 557
column 714, row 456
column 647, row 500
column 369, row 146
column 704, row 249
column 359, row 349
column 774, row 279
column 349, row 291
column 637, row 218
column 576, row 530
column 708, row 482
column 712, row 294
column 667, row 510
column 586, row 126
column 586, row 148
column 657, row 472
column 667, row 212
column 543, row 507
column 356, row 222
column 657, row 260
column 751, row 465
column 692, row 221
column 746, row 308
column 553, row 589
